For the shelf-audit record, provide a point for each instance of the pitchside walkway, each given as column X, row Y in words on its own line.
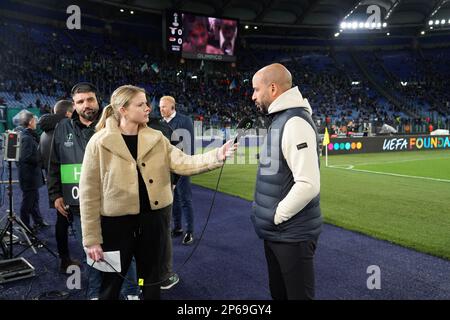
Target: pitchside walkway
column 229, row 262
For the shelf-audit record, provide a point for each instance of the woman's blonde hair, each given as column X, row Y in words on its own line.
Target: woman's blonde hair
column 121, row 97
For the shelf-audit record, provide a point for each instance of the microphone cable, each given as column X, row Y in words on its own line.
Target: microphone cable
column 192, row 251
column 244, row 124
column 186, row 260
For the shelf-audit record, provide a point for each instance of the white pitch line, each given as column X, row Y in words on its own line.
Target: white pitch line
column 399, row 161
column 350, row 167
column 342, row 166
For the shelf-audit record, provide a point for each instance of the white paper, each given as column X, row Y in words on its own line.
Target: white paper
column 113, row 258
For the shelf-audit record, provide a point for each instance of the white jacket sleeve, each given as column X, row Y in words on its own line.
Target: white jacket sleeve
column 299, row 147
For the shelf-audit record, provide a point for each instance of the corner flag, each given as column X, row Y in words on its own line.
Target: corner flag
column 326, row 138
column 326, row 142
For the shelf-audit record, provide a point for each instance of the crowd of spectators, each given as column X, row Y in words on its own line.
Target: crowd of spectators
column 49, row 62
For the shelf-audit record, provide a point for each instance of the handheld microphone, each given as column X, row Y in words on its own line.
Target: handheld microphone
column 243, row 126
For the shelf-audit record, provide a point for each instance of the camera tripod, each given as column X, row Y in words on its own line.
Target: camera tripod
column 12, row 219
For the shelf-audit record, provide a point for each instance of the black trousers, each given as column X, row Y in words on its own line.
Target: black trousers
column 30, row 207
column 143, row 236
column 62, row 235
column 291, row 269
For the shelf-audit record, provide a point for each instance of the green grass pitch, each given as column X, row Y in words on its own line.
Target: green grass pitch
column 401, row 197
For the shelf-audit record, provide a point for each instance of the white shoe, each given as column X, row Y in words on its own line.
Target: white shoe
column 132, row 297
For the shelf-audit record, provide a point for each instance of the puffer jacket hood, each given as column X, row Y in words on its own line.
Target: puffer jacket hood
column 292, row 98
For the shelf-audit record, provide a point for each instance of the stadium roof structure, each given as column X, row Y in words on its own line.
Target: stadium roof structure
column 315, row 18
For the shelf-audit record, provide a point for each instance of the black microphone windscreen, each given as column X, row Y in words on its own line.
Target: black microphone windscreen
column 245, row 123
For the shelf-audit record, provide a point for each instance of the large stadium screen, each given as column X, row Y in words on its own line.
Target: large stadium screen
column 202, row 37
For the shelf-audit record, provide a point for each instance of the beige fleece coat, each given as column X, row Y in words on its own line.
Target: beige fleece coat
column 109, row 179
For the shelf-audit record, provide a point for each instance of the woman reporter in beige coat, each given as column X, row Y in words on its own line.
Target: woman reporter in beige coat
column 125, row 189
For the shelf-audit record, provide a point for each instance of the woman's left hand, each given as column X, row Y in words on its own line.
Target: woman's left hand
column 227, row 150
column 95, row 252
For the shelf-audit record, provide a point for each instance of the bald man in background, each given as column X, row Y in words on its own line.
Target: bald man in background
column 286, row 211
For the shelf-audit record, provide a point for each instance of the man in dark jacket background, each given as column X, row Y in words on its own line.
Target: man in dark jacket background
column 182, row 201
column 48, row 122
column 169, row 277
column 68, row 147
column 30, row 171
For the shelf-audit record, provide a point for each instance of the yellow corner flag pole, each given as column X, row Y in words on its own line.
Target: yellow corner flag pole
column 326, row 142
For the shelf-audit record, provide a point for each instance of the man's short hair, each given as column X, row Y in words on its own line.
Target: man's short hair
column 62, row 107
column 83, row 87
column 169, row 98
